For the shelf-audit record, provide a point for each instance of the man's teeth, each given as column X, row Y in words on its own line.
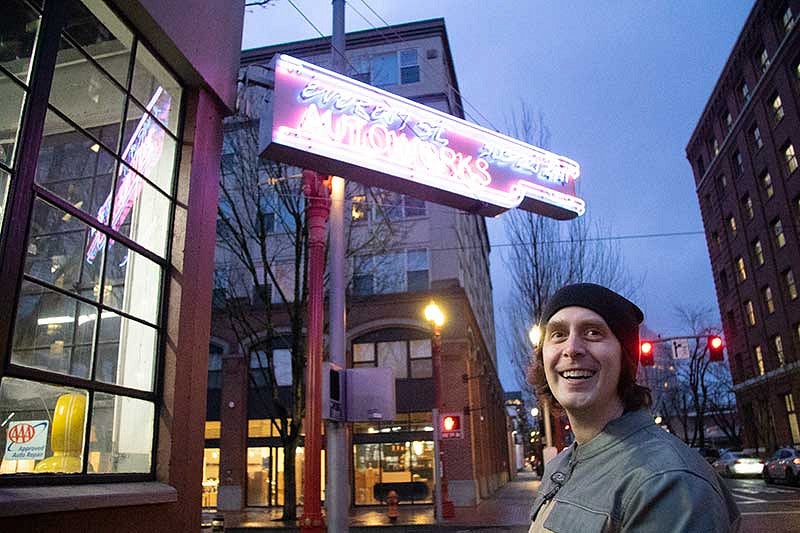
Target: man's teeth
column 577, row 374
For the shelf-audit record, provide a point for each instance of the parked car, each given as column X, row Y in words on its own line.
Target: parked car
column 784, row 465
column 731, row 464
column 709, row 454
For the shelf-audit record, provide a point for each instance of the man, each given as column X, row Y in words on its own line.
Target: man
column 622, row 473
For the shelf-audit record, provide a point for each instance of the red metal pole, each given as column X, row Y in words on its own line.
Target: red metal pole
column 317, row 192
column 448, row 511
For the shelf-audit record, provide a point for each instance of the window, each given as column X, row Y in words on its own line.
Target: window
column 723, row 182
column 359, row 210
column 723, row 281
column 409, row 358
column 791, row 413
column 747, row 207
column 750, row 313
column 777, row 342
column 88, row 330
column 738, row 163
column 796, row 209
column 732, row 225
column 777, row 232
column 758, row 253
column 701, row 166
column 391, row 273
column 756, row 133
column 787, row 20
column 789, row 284
column 715, row 146
column 383, row 206
column 741, row 273
column 760, row 360
column 790, row 157
column 769, row 304
column 715, row 238
column 727, row 122
column 745, row 91
column 392, row 68
column 766, row 182
column 763, row 60
column 777, row 109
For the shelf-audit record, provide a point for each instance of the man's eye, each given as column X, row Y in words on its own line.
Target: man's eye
column 594, row 333
column 555, row 335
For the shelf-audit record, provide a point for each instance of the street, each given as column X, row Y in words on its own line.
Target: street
column 774, row 508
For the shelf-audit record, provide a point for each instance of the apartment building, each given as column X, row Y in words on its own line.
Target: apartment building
column 743, row 153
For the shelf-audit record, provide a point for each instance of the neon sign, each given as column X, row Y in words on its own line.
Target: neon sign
column 327, row 122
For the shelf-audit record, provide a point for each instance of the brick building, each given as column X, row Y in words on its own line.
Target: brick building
column 110, row 135
column 744, row 156
column 441, row 254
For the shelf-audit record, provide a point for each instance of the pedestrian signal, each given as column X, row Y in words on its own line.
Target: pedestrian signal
column 450, row 426
column 646, row 353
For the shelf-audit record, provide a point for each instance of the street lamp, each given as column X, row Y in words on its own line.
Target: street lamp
column 535, row 336
column 444, row 507
column 535, row 412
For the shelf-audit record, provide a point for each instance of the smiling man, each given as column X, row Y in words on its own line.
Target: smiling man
column 622, row 473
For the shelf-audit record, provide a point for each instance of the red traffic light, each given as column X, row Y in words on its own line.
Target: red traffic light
column 450, row 423
column 715, row 348
column 646, row 353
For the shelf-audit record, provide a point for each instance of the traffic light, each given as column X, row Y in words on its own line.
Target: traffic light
column 646, row 353
column 715, row 348
column 450, row 426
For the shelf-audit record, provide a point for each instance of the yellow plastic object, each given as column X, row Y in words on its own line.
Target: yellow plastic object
column 66, row 435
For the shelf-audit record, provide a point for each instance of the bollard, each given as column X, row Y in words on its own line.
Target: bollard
column 392, row 510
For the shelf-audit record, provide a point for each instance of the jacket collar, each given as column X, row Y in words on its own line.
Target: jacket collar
column 613, row 433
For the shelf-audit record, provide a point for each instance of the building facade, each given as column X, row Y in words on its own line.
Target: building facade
column 110, row 134
column 744, row 156
column 431, row 253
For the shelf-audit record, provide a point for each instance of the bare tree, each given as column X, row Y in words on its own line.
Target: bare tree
column 546, row 254
column 262, row 264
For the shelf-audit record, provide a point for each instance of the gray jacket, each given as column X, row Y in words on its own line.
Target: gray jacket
column 634, row 476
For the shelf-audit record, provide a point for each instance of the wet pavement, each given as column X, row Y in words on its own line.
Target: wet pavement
column 508, row 510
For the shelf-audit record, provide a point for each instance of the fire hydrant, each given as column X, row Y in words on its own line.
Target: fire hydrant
column 392, row 510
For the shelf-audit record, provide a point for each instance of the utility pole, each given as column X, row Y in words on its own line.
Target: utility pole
column 337, row 493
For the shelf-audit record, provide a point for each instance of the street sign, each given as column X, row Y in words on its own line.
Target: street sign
column 680, row 349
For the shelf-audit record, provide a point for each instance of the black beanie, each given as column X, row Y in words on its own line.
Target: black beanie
column 622, row 316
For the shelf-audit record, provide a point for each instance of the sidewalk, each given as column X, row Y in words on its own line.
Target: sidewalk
column 508, row 510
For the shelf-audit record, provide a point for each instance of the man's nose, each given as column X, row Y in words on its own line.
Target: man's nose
column 575, row 346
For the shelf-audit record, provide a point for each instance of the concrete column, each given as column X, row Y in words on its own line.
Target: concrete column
column 231, row 493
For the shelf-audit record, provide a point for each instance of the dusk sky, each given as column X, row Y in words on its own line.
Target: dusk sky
column 621, row 86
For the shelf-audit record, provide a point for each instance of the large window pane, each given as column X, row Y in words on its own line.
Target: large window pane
column 123, row 434
column 393, row 355
column 19, row 26
column 74, row 166
column 83, row 92
column 53, row 332
column 126, row 352
column 102, row 35
column 148, row 76
column 5, row 180
column 11, row 99
column 132, row 282
column 44, row 427
column 57, row 249
column 146, row 146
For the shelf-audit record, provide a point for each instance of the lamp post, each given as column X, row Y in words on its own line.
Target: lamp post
column 444, row 507
column 535, row 336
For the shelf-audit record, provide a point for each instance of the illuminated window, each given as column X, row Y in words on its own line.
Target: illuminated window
column 738, row 163
column 359, row 211
column 791, row 413
column 777, row 109
column 82, row 359
column 727, row 121
column 747, row 207
column 745, row 90
column 760, row 360
column 791, row 158
column 787, row 20
column 757, row 137
column 758, row 253
column 741, row 273
column 766, row 182
column 769, row 304
column 715, row 146
column 777, row 342
column 777, row 232
column 763, row 60
column 750, row 313
column 732, row 225
column 789, row 284
column 723, row 182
